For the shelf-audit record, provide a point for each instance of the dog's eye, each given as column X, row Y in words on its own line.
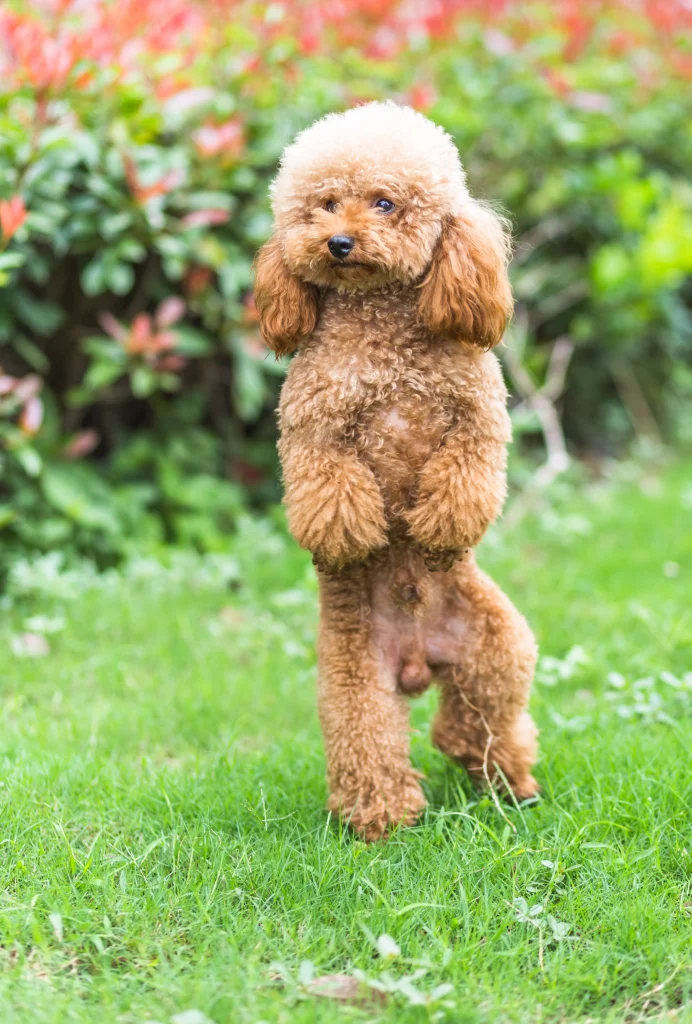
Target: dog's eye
column 385, row 205
column 330, row 206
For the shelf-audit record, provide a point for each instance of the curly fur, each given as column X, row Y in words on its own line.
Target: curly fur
column 393, row 437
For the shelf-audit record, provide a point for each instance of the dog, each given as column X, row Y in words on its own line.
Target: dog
column 391, row 283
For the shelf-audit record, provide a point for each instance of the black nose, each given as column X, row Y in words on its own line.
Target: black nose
column 340, row 245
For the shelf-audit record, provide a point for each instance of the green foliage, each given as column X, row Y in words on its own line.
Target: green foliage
column 139, row 196
column 165, row 843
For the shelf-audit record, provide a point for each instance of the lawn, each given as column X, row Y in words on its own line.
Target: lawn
column 164, row 843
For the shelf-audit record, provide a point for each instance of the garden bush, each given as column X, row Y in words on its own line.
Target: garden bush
column 137, row 142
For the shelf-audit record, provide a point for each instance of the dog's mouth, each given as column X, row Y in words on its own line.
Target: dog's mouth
column 349, row 264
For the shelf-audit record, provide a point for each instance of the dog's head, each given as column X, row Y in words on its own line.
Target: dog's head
column 373, row 197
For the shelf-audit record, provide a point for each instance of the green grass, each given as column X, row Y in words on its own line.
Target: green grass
column 164, row 845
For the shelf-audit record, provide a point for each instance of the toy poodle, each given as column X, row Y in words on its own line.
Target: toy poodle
column 391, row 282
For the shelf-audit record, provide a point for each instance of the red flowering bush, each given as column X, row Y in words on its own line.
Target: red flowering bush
column 137, row 141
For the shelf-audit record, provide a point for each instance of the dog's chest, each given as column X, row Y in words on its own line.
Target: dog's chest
column 373, row 379
column 389, row 388
column 405, row 400
column 397, row 433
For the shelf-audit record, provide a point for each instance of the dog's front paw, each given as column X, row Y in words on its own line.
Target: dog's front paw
column 444, row 519
column 442, row 536
column 442, row 559
column 330, row 566
column 337, row 512
column 342, row 544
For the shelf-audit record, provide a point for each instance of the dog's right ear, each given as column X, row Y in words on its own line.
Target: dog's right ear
column 286, row 305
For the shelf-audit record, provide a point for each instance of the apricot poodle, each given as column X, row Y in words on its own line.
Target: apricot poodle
column 391, row 281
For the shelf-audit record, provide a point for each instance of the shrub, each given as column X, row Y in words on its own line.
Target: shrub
column 137, row 141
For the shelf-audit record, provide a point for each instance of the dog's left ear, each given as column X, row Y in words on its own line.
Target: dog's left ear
column 466, row 292
column 286, row 305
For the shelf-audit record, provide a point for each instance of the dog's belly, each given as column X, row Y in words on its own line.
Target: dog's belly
column 396, row 440
column 418, row 622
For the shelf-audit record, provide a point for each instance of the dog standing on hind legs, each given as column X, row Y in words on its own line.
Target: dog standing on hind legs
column 391, row 282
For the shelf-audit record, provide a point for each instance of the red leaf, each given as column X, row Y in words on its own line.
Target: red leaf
column 31, row 416
column 113, row 327
column 28, row 387
column 82, row 444
column 163, row 341
column 170, row 311
column 12, row 215
column 422, row 96
column 139, row 338
column 198, row 280
column 205, row 218
column 227, row 138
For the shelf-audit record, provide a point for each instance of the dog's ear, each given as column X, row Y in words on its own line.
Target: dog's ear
column 286, row 305
column 466, row 292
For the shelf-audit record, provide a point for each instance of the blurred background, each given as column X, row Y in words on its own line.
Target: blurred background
column 137, row 142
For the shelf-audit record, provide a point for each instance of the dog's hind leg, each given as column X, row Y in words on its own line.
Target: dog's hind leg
column 364, row 719
column 482, row 721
